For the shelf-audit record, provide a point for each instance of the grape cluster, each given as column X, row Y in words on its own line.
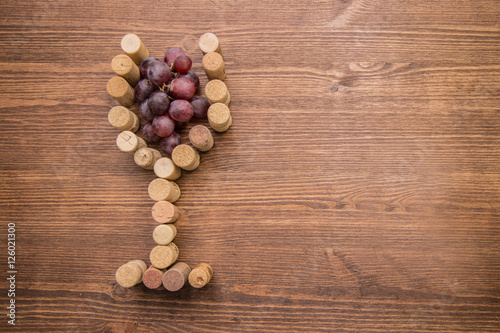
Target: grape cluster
column 166, row 92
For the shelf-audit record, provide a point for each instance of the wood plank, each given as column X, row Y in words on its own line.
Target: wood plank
column 357, row 190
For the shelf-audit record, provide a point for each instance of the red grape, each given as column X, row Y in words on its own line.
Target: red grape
column 159, row 73
column 169, row 143
column 180, row 110
column 163, row 125
column 182, row 88
column 145, row 111
column 181, row 125
column 148, row 133
column 182, row 63
column 158, row 103
column 200, row 106
column 193, row 77
column 143, row 67
column 173, row 53
column 143, row 89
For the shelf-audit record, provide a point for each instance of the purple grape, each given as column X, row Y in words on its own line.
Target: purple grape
column 169, row 143
column 182, row 88
column 172, row 53
column 179, row 125
column 163, row 125
column 159, row 73
column 200, row 106
column 158, row 103
column 193, row 77
column 182, row 63
column 143, row 67
column 180, row 110
column 148, row 133
column 143, row 89
column 145, row 111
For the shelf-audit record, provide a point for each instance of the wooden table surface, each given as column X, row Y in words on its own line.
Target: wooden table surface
column 357, row 190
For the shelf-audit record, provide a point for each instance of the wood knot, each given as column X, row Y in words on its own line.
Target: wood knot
column 366, row 66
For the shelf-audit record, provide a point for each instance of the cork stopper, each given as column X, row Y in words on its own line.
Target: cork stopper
column 162, row 256
column 152, row 278
column 166, row 169
column 162, row 189
column 216, row 92
column 201, row 138
column 146, row 157
column 165, row 212
column 120, row 89
column 219, row 117
column 214, row 67
column 129, row 274
column 132, row 45
column 209, row 43
column 175, row 278
column 123, row 66
column 123, row 119
column 163, row 234
column 185, row 157
column 142, row 265
column 129, row 142
column 200, row 275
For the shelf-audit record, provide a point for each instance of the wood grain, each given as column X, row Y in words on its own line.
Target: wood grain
column 356, row 191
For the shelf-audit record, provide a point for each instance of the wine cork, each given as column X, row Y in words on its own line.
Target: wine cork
column 166, row 169
column 123, row 119
column 142, row 265
column 216, row 92
column 219, row 117
column 200, row 275
column 175, row 278
column 132, row 45
column 129, row 142
column 162, row 189
column 125, row 67
column 146, row 157
column 209, row 43
column 165, row 212
column 163, row 234
column 214, row 67
column 185, row 157
column 152, row 278
column 120, row 89
column 201, row 138
column 130, row 274
column 162, row 256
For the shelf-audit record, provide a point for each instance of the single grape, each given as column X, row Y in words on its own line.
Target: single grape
column 182, row 88
column 163, row 125
column 143, row 89
column 143, row 67
column 181, row 125
column 200, row 106
column 193, row 77
column 171, row 54
column 180, row 110
column 148, row 133
column 159, row 73
column 182, row 63
column 169, row 143
column 145, row 111
column 158, row 103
